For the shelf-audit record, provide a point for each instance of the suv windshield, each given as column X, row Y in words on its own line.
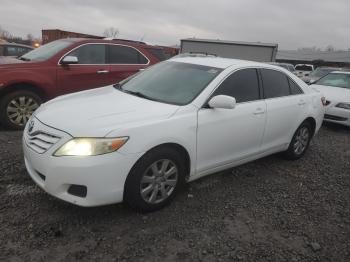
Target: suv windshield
column 171, row 82
column 335, row 79
column 46, row 51
column 303, row 68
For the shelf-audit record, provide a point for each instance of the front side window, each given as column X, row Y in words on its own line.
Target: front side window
column 119, row 54
column 275, row 83
column 243, row 85
column 90, row 54
column 46, row 51
column 336, row 80
column 1, row 50
column 171, row 82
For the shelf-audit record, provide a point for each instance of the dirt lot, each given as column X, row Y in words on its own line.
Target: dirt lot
column 268, row 210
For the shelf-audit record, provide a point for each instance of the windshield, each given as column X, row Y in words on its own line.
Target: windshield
column 303, row 68
column 320, row 72
column 46, row 51
column 335, row 79
column 171, row 82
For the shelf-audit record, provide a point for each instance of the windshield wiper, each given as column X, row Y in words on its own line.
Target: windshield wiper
column 118, row 86
column 139, row 94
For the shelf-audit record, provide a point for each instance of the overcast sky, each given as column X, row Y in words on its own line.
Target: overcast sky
column 290, row 23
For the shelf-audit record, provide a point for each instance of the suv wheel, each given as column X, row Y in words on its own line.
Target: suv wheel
column 300, row 142
column 154, row 180
column 17, row 107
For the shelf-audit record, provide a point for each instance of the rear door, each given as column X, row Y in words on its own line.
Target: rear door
column 228, row 135
column 285, row 103
column 91, row 71
column 125, row 61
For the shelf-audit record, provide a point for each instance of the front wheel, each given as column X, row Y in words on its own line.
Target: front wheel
column 300, row 142
column 154, row 180
column 17, row 107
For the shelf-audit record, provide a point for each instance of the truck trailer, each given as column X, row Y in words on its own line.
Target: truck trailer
column 260, row 52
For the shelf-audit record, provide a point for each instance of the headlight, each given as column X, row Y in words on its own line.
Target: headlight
column 344, row 105
column 90, row 146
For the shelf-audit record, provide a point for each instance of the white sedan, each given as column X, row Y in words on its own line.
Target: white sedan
column 177, row 121
column 336, row 88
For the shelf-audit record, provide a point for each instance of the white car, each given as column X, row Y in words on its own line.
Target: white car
column 336, row 88
column 175, row 122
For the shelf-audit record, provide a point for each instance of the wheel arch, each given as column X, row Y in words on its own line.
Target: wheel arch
column 24, row 86
column 312, row 122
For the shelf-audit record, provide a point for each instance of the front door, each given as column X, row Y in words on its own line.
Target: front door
column 228, row 135
column 91, row 71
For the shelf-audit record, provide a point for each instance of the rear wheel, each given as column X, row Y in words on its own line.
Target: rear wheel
column 17, row 107
column 154, row 180
column 300, row 142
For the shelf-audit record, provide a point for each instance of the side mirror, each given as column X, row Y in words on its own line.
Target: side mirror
column 222, row 101
column 69, row 60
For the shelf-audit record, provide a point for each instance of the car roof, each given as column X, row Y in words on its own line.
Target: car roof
column 219, row 62
column 109, row 41
column 341, row 72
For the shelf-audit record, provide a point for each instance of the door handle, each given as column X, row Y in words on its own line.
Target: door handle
column 259, row 111
column 102, row 72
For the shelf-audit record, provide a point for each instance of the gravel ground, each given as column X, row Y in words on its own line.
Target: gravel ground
column 268, row 210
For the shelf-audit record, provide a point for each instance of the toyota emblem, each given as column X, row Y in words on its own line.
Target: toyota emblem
column 31, row 126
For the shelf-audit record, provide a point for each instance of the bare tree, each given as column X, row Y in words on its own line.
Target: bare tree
column 5, row 34
column 112, row 32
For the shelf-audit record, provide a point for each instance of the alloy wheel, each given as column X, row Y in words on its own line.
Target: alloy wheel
column 19, row 109
column 159, row 181
column 301, row 140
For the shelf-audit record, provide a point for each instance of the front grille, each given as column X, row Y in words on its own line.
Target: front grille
column 41, row 141
column 336, row 118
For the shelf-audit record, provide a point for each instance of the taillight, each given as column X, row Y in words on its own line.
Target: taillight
column 324, row 101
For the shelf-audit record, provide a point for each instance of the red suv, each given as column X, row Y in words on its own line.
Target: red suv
column 65, row 66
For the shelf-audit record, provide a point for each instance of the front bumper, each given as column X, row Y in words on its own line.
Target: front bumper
column 103, row 176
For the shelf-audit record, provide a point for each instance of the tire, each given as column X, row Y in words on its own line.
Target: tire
column 300, row 142
column 154, row 185
column 17, row 107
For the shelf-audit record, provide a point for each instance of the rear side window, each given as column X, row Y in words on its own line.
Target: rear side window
column 294, row 88
column 242, row 85
column 275, row 83
column 159, row 53
column 1, row 50
column 90, row 54
column 125, row 55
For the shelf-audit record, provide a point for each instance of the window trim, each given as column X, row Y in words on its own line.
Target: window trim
column 107, row 51
column 261, row 97
column 287, row 77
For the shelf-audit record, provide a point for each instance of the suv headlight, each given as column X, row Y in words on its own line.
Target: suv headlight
column 90, row 146
column 344, row 105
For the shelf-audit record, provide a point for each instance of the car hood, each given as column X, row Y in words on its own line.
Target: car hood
column 97, row 112
column 334, row 94
column 7, row 60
